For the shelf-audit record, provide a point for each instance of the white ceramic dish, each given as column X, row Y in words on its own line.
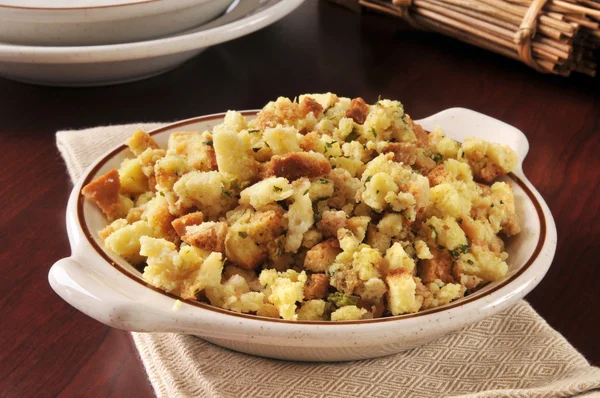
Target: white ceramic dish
column 108, row 289
column 120, row 63
column 59, row 23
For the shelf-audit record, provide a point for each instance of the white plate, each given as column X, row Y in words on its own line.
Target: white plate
column 120, row 63
column 94, row 22
column 105, row 287
column 58, row 4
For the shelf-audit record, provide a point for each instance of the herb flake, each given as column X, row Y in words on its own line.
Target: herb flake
column 462, row 249
column 434, row 232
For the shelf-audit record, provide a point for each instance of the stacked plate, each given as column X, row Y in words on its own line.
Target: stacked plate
column 101, row 42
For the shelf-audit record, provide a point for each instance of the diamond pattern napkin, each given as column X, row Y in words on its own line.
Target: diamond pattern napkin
column 513, row 354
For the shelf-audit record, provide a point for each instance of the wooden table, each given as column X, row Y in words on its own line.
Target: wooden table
column 47, row 348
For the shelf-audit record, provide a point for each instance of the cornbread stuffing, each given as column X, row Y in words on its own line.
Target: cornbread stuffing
column 322, row 208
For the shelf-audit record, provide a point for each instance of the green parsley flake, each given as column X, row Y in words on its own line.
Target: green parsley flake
column 277, row 189
column 434, row 232
column 462, row 249
column 243, row 234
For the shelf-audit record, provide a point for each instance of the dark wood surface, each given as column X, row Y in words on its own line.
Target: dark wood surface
column 47, row 348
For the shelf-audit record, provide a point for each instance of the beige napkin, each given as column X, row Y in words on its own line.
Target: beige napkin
column 514, row 354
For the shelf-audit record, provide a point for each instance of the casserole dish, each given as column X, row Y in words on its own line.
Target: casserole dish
column 110, row 290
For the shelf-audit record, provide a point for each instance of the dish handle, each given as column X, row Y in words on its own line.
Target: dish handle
column 100, row 297
column 459, row 123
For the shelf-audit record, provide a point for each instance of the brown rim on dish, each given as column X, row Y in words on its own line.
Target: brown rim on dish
column 138, row 279
column 78, row 8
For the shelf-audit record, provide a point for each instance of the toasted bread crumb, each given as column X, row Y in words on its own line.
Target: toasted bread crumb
column 296, row 165
column 104, row 190
column 180, row 224
column 320, row 257
column 358, row 110
column 317, row 287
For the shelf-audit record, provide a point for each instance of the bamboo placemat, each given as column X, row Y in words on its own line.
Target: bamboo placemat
column 551, row 36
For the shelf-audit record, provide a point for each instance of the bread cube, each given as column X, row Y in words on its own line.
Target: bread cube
column 401, row 295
